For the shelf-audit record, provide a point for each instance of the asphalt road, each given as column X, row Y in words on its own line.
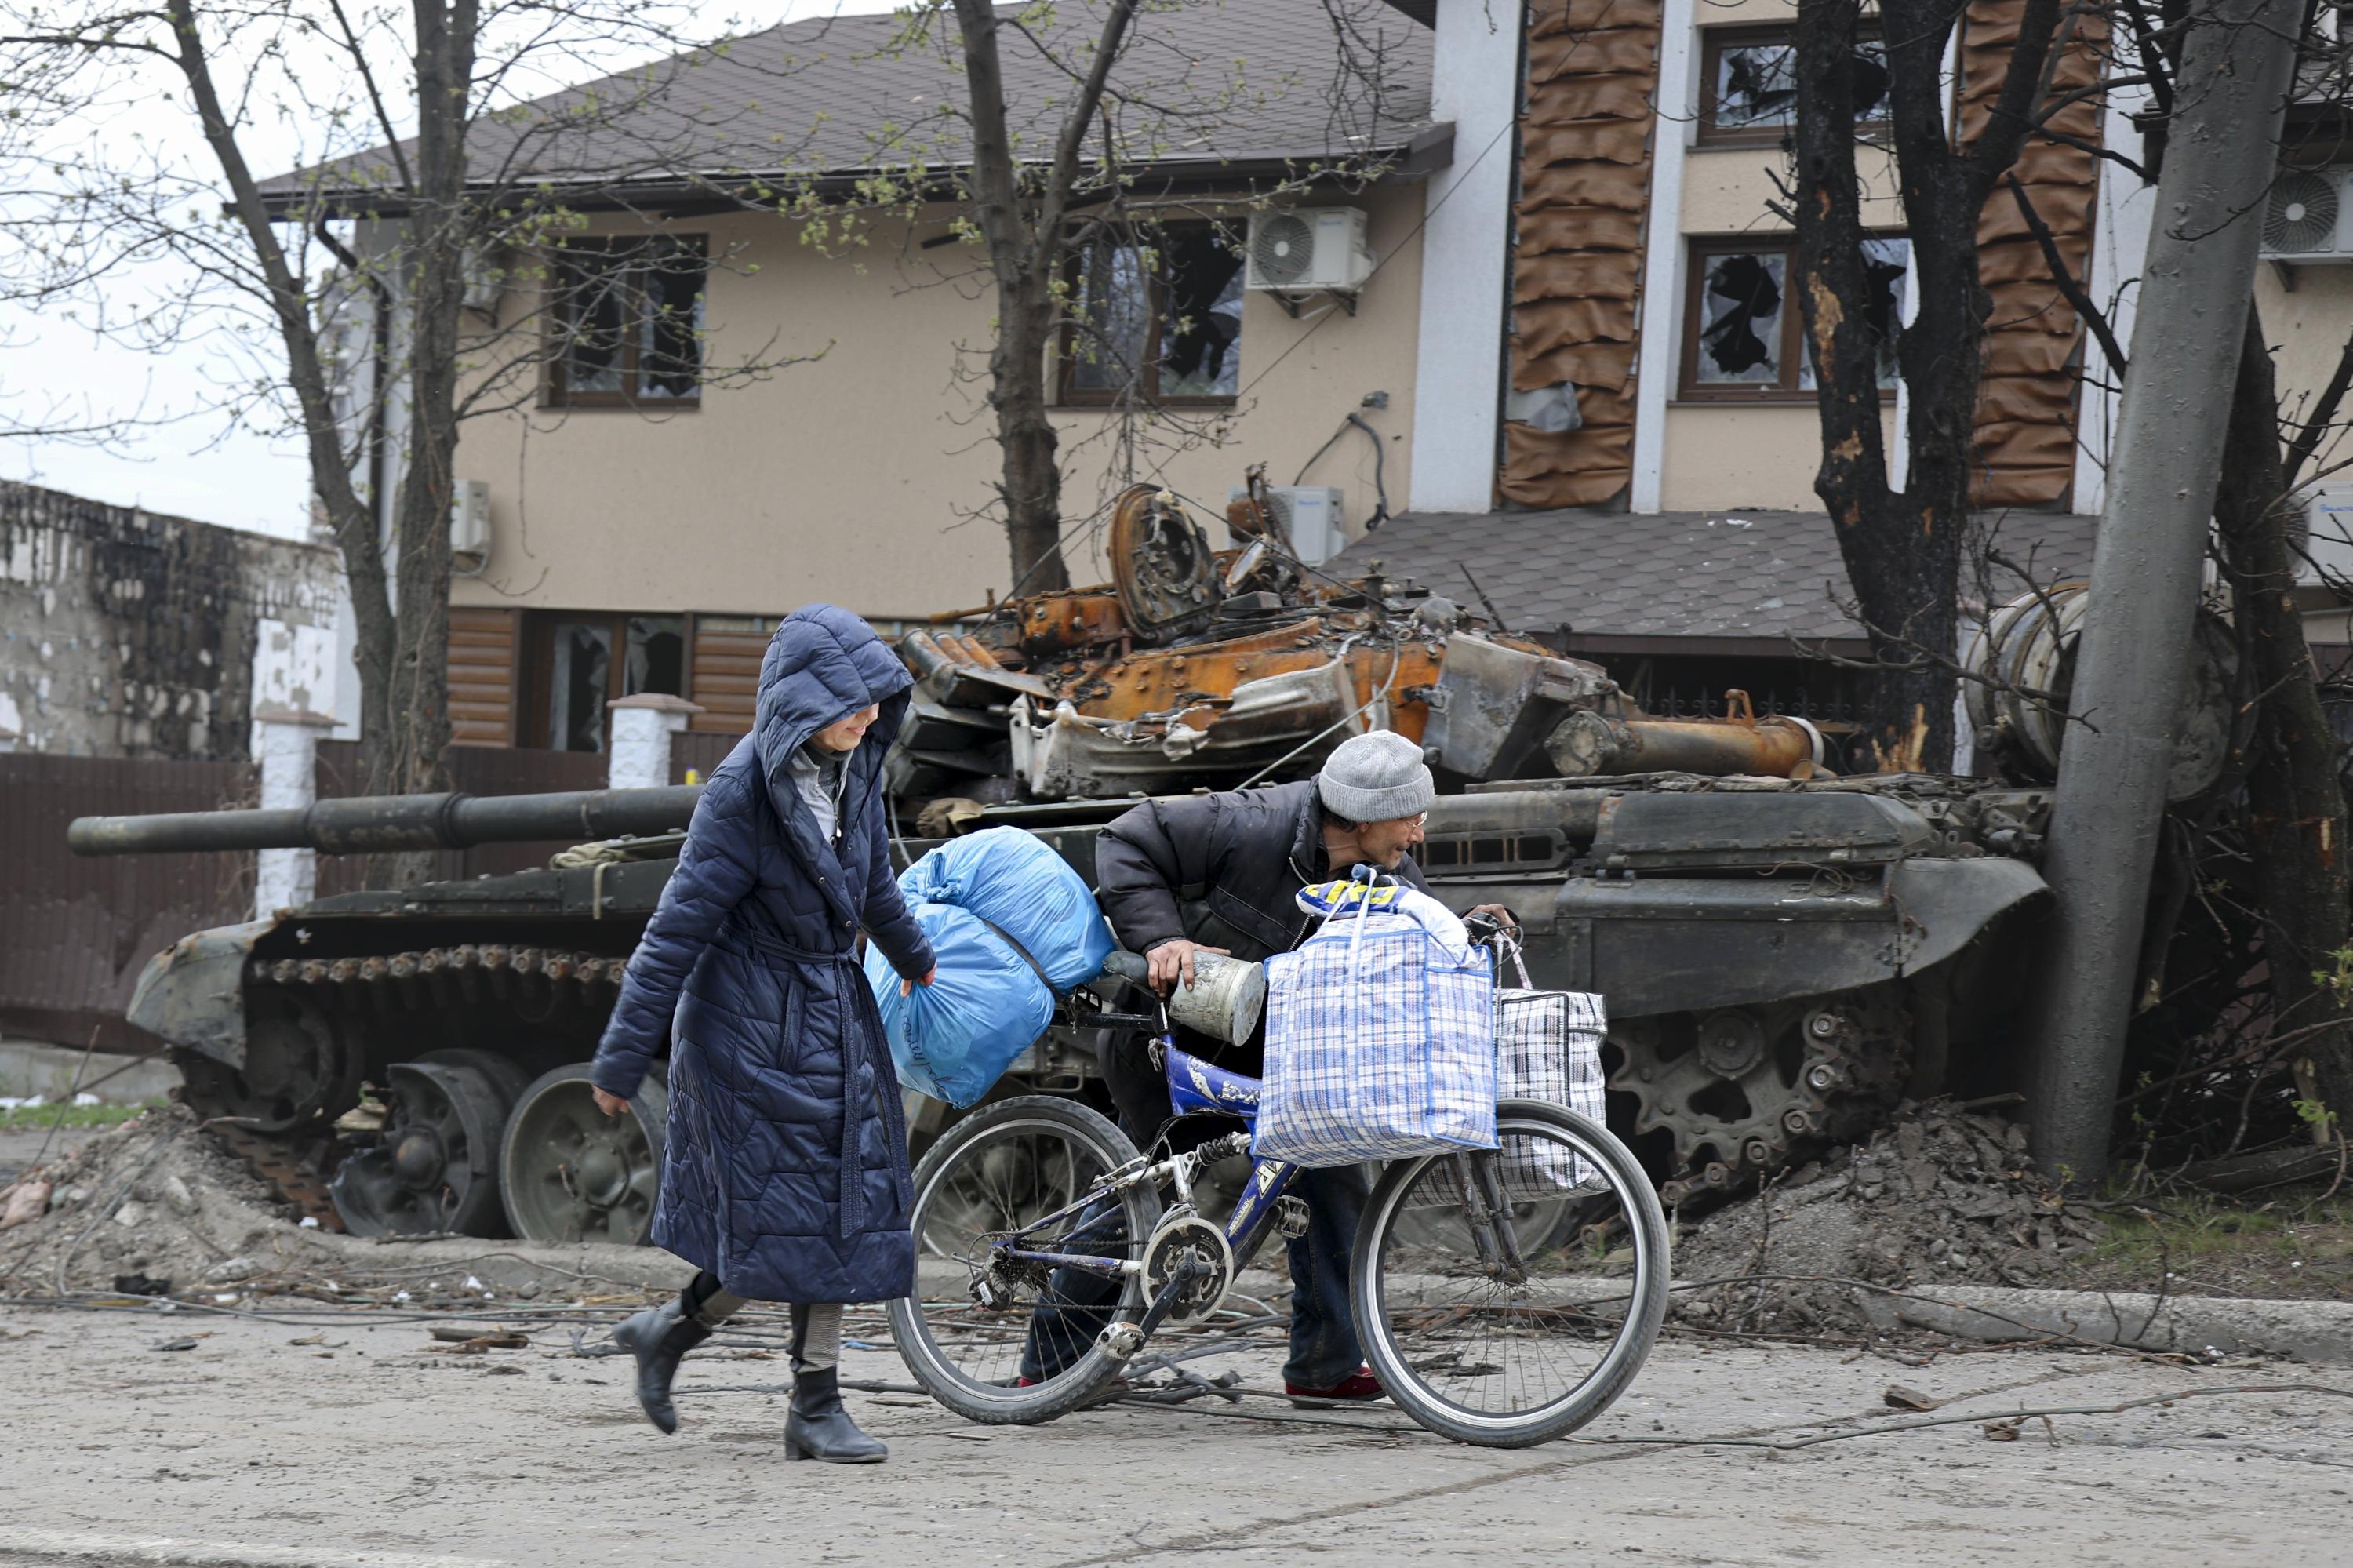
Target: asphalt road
column 265, row 1445
column 18, row 1146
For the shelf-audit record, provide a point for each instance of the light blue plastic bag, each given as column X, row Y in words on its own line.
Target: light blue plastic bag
column 954, row 1037
column 1021, row 886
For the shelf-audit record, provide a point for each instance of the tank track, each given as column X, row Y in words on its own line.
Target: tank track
column 296, row 1169
column 298, row 1163
column 448, row 977
column 1746, row 1091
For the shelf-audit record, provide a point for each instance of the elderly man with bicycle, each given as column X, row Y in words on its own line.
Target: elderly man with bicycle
column 1221, row 873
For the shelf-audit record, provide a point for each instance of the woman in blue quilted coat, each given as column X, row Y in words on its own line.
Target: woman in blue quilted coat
column 786, row 1173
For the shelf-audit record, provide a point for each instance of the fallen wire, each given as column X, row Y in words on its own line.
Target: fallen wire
column 1982, row 1416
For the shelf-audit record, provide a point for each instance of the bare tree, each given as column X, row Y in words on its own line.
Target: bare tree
column 1903, row 548
column 1049, row 148
column 432, row 159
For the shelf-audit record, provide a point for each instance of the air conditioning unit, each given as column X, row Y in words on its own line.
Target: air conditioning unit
column 1306, row 515
column 470, row 525
column 485, row 280
column 2324, row 557
column 1309, row 249
column 2308, row 217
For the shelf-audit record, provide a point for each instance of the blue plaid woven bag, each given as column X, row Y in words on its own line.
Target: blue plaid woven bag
column 1380, row 1032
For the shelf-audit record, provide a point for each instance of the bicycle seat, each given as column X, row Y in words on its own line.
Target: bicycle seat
column 1194, row 1085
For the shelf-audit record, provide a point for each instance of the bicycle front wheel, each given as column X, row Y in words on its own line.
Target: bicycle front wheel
column 1501, row 1340
column 999, row 1171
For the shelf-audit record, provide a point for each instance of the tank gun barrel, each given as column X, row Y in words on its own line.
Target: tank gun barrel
column 364, row 824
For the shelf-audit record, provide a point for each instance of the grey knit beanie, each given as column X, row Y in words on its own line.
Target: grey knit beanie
column 1375, row 778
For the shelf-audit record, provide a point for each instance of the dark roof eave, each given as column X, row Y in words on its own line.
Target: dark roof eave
column 1429, row 150
column 1705, row 644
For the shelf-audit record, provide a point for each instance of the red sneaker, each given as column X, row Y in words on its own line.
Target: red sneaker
column 1359, row 1385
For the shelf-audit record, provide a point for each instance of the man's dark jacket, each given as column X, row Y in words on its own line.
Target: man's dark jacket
column 787, row 1169
column 1222, row 870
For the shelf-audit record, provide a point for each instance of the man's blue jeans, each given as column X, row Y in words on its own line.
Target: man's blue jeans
column 1324, row 1345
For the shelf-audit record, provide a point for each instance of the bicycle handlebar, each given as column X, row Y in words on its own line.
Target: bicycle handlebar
column 1127, row 967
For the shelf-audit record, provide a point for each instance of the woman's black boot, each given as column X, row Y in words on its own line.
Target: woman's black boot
column 819, row 1428
column 658, row 1337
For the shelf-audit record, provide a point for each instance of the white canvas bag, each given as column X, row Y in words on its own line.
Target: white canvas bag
column 1547, row 1047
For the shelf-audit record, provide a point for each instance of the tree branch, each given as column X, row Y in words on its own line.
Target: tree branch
column 2092, row 317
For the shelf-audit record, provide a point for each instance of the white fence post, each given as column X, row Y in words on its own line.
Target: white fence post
column 639, row 757
column 285, row 742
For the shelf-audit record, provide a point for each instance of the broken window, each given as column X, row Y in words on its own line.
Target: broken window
column 1154, row 318
column 626, row 323
column 582, row 661
column 1744, row 338
column 1749, row 88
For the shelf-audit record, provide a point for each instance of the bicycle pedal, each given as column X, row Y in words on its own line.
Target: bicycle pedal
column 1120, row 1340
column 1291, row 1217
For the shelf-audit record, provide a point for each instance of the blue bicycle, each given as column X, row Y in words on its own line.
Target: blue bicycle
column 1503, row 1298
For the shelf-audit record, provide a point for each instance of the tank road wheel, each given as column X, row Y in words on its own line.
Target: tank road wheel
column 1744, row 1090
column 436, row 1165
column 571, row 1173
column 297, row 1068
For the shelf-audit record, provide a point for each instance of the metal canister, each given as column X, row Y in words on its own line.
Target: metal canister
column 1225, row 999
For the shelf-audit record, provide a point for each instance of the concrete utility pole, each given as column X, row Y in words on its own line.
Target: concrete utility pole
column 2133, row 664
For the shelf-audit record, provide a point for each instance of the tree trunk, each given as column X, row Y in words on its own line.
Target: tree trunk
column 351, row 515
column 1902, row 549
column 406, row 756
column 1032, row 479
column 2296, row 805
column 1024, row 248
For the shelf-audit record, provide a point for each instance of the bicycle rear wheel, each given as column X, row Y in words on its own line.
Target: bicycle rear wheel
column 1460, row 1346
column 998, row 1170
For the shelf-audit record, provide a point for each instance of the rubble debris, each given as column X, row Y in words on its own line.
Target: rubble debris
column 23, row 1201
column 1940, row 1196
column 1202, row 667
column 142, row 1205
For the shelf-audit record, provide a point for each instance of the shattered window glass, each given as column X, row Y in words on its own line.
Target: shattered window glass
column 1154, row 319
column 1885, row 264
column 1747, row 336
column 597, row 304
column 1740, row 319
column 1751, row 88
column 1114, row 311
column 627, row 322
column 670, row 349
column 657, row 660
column 579, row 667
column 1201, row 316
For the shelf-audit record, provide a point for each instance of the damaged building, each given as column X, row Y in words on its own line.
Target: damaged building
column 125, row 633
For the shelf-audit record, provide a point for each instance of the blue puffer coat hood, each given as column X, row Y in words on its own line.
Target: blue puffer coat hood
column 786, row 1169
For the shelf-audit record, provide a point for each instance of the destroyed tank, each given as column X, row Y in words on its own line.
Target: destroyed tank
column 1785, row 953
column 1782, row 961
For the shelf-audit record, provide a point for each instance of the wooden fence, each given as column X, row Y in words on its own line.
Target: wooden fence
column 75, row 931
column 477, row 771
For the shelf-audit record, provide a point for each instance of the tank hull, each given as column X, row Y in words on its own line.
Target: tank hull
column 1780, row 964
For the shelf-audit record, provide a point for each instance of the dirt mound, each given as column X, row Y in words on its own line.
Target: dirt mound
column 156, row 1198
column 1937, row 1196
